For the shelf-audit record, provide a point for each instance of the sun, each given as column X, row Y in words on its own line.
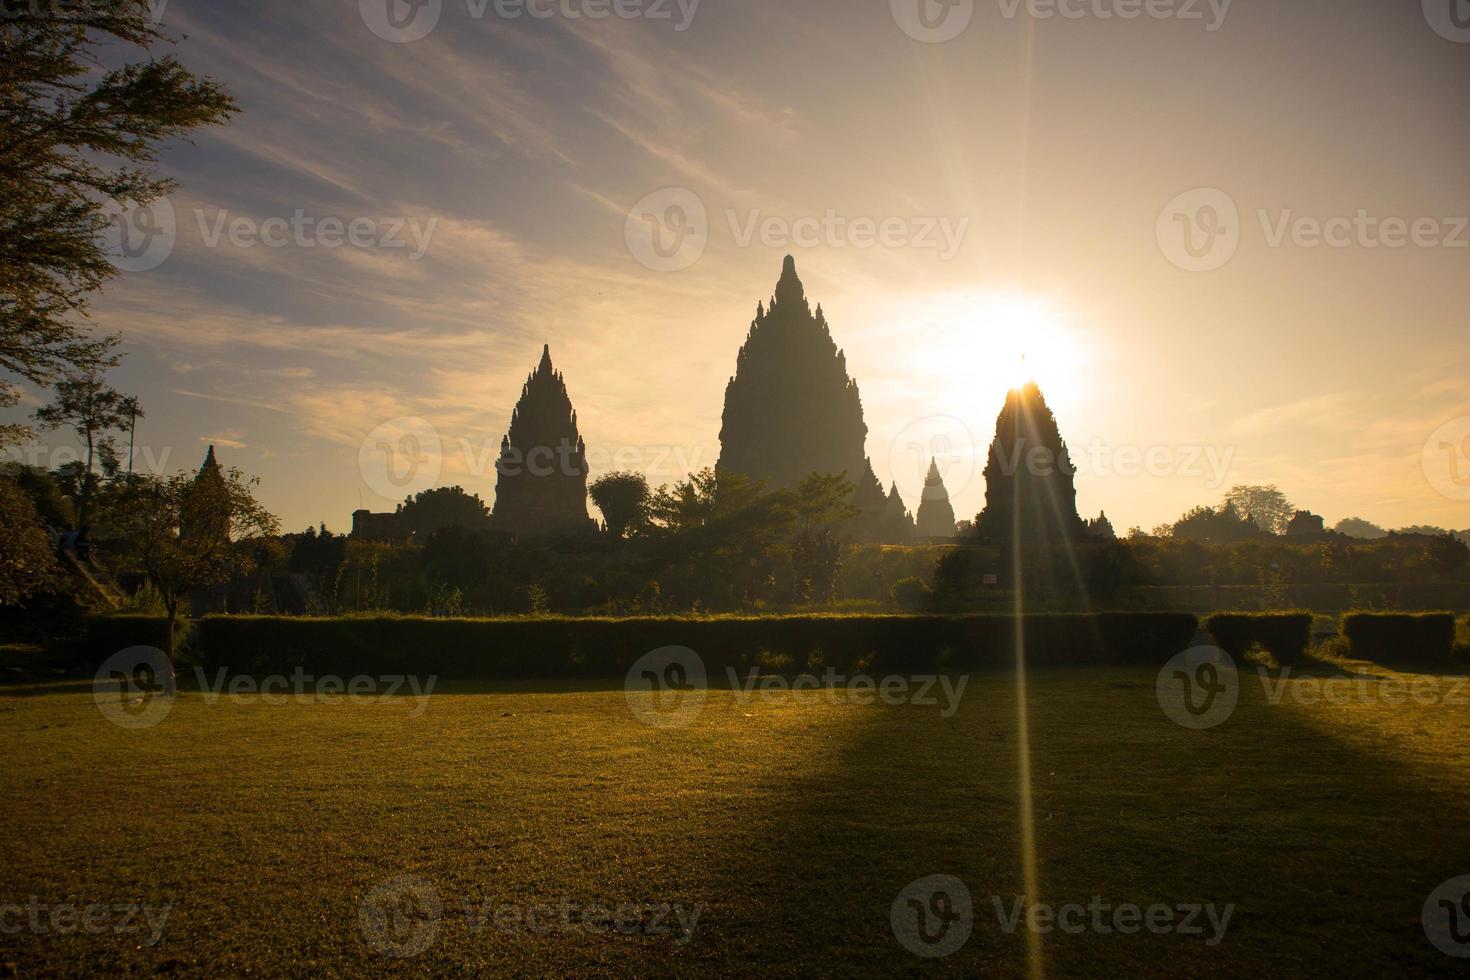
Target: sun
column 1029, row 339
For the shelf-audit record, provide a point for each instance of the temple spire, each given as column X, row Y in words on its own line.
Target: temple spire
column 936, row 514
column 541, row 482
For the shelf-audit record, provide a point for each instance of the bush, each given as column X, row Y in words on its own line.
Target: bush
column 552, row 647
column 1401, row 639
column 910, row 594
column 1286, row 635
column 1462, row 641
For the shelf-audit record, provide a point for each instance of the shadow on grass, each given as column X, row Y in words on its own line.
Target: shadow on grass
column 1322, row 853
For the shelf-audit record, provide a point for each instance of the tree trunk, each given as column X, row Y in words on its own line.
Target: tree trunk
column 86, row 489
column 169, row 688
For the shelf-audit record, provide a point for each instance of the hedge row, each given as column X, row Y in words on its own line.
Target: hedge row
column 104, row 635
column 1285, row 635
column 1462, row 641
column 550, row 648
column 1401, row 639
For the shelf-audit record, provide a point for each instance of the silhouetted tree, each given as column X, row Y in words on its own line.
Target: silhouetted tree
column 93, row 410
column 1217, row 526
column 624, row 499
column 188, row 532
column 822, row 505
column 429, row 511
column 1267, row 506
column 75, row 134
column 1356, row 527
column 27, row 556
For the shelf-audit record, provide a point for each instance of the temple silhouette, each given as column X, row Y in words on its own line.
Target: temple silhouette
column 936, row 514
column 791, row 409
column 541, row 474
column 1030, row 482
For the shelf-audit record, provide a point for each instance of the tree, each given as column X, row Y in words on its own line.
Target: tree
column 1207, row 524
column 1356, row 527
column 92, row 410
column 71, row 136
column 624, row 499
column 822, row 504
column 432, row 510
column 190, row 532
column 133, row 411
column 27, row 557
column 1267, row 506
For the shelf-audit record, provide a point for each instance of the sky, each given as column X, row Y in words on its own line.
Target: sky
column 1227, row 239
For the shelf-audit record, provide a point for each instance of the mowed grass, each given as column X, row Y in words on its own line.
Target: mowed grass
column 789, row 821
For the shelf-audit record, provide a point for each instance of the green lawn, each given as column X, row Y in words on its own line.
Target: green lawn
column 790, row 822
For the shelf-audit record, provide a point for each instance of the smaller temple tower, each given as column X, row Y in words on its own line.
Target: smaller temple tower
column 897, row 525
column 936, row 514
column 541, row 475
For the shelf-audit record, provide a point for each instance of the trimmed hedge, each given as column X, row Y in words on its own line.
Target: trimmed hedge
column 1401, row 639
column 1462, row 641
column 551, row 648
column 106, row 634
column 1285, row 635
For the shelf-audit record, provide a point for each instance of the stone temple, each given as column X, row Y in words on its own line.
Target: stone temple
column 541, row 475
column 1030, row 487
column 791, row 410
column 936, row 514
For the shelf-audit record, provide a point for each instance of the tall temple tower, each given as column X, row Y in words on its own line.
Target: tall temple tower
column 791, row 410
column 1030, row 488
column 541, row 475
column 936, row 514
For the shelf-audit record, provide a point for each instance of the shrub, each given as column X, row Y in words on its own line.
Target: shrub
column 1462, row 641
column 910, row 594
column 1285, row 635
column 552, row 647
column 1401, row 639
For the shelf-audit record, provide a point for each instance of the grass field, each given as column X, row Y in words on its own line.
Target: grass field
column 790, row 822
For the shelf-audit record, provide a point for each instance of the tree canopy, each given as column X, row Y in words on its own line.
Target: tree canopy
column 76, row 141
